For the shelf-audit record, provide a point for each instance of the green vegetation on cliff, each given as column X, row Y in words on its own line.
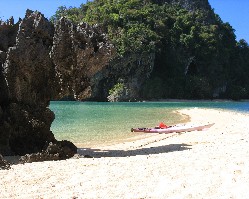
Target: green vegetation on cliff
column 197, row 56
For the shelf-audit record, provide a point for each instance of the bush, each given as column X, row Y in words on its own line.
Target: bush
column 116, row 93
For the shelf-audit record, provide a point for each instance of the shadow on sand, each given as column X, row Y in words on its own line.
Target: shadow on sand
column 97, row 153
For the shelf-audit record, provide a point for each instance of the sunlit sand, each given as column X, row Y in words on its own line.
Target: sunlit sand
column 200, row 164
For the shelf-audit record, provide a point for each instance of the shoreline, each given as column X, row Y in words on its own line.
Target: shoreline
column 136, row 136
column 124, row 134
column 199, row 164
column 196, row 100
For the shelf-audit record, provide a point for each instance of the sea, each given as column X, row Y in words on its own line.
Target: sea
column 89, row 124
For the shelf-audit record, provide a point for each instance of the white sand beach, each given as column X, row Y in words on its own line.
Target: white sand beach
column 202, row 164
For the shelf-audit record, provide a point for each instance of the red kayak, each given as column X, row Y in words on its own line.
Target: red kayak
column 173, row 129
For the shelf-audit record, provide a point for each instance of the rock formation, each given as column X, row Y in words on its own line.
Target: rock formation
column 29, row 73
column 8, row 32
column 27, row 82
column 4, row 125
column 131, row 70
column 80, row 54
column 40, row 62
column 3, row 163
column 54, row 151
column 87, row 65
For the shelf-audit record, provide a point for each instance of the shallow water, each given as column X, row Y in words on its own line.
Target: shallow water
column 89, row 124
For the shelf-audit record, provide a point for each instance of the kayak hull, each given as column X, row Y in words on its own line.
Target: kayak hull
column 173, row 129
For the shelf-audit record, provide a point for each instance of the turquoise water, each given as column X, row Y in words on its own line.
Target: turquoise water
column 99, row 123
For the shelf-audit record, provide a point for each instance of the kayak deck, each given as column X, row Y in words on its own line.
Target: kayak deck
column 173, row 129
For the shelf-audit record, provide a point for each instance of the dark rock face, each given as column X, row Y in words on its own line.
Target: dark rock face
column 59, row 150
column 4, row 124
column 131, row 70
column 87, row 65
column 27, row 85
column 80, row 54
column 29, row 73
column 30, row 128
column 3, row 163
column 8, row 32
column 28, row 68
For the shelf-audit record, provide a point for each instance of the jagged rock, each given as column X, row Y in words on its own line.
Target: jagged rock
column 64, row 148
column 8, row 32
column 55, row 151
column 38, row 157
column 28, row 67
column 132, row 71
column 87, row 65
column 3, row 163
column 80, row 53
column 4, row 125
column 29, row 72
column 2, row 58
column 30, row 128
column 4, row 97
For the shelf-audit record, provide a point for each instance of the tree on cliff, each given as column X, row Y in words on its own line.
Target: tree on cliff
column 186, row 36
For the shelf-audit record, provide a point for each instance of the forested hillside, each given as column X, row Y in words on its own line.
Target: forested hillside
column 196, row 53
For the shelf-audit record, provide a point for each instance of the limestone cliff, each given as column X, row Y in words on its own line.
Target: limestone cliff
column 27, row 82
column 87, row 65
column 42, row 62
column 80, row 54
column 8, row 32
column 4, row 125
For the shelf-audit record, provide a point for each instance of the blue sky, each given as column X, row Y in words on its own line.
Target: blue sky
column 17, row 8
column 236, row 12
